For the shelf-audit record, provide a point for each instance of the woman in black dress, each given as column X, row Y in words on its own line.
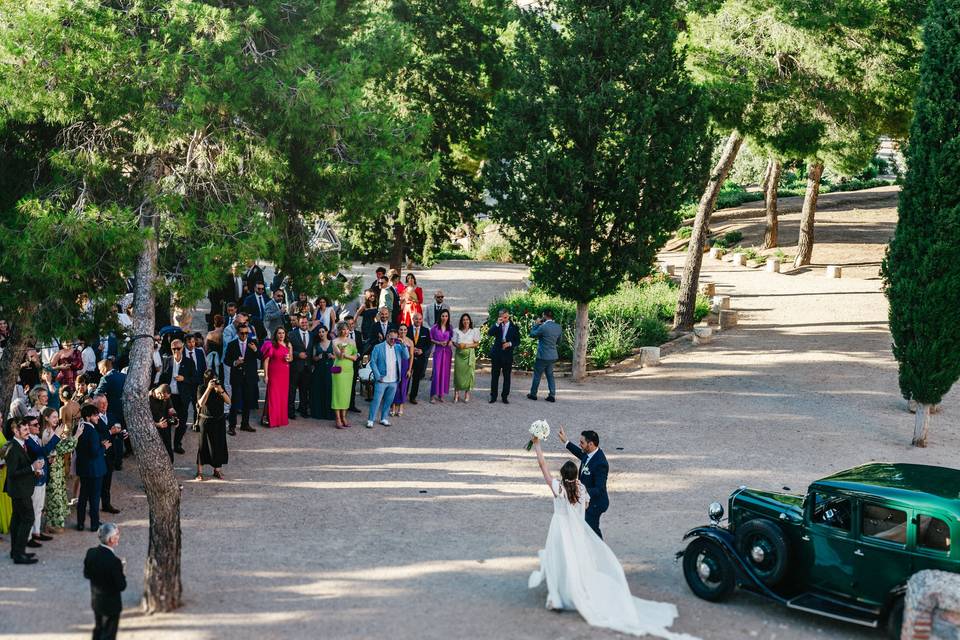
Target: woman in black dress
column 213, row 425
column 321, row 384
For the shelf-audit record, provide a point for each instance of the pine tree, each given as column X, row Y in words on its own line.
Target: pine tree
column 596, row 142
column 922, row 268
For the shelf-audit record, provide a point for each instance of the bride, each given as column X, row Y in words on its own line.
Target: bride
column 581, row 571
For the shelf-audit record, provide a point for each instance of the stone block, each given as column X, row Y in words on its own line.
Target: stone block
column 932, row 606
column 721, row 302
column 728, row 319
column 739, row 259
column 833, row 271
column 649, row 356
column 702, row 335
column 717, row 252
column 713, row 318
column 773, row 265
column 708, row 289
column 667, row 269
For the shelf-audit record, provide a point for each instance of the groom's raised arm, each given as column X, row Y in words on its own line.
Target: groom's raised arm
column 575, row 450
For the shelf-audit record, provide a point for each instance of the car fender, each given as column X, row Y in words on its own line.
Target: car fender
column 745, row 575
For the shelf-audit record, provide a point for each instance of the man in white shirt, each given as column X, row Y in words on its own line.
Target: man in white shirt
column 87, row 355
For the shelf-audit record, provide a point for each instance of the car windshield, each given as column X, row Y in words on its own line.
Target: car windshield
column 832, row 511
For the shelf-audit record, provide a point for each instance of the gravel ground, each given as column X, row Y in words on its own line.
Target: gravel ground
column 428, row 529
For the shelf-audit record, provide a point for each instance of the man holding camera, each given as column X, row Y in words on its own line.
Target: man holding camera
column 547, row 332
column 180, row 374
column 21, row 475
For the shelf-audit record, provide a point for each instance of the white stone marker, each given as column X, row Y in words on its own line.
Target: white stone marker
column 667, row 269
column 833, row 271
column 649, row 356
column 773, row 265
column 702, row 335
column 739, row 259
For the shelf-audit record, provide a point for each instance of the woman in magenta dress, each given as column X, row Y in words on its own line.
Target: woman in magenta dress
column 441, row 336
column 277, row 355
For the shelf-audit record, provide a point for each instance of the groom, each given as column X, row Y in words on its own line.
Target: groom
column 593, row 474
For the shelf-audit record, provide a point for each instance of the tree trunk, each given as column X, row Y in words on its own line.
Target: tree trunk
column 13, row 355
column 805, row 244
column 683, row 320
column 162, row 588
column 581, row 335
column 920, row 424
column 399, row 239
column 770, row 197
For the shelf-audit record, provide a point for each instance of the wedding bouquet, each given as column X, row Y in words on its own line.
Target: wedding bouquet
column 539, row 430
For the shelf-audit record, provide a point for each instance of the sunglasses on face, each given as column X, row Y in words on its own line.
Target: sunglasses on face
column 177, row 349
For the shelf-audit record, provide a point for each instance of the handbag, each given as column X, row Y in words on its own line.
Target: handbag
column 335, row 369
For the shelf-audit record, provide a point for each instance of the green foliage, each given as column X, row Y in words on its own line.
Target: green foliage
column 728, row 240
column 684, row 232
column 494, row 251
column 922, row 268
column 592, row 153
column 631, row 317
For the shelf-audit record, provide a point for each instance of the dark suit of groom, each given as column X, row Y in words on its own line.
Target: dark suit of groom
column 501, row 357
column 593, row 474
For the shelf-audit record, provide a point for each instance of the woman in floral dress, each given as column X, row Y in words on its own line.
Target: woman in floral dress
column 57, row 504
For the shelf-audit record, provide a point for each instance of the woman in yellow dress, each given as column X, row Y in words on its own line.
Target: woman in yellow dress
column 345, row 353
column 6, row 505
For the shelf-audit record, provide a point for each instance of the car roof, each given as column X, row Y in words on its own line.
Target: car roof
column 916, row 484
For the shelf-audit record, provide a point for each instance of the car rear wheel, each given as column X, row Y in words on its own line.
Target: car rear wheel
column 708, row 570
column 895, row 619
column 764, row 547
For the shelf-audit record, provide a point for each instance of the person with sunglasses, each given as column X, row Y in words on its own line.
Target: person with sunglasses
column 180, row 373
column 243, row 357
column 431, row 314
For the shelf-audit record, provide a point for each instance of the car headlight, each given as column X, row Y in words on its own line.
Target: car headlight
column 715, row 511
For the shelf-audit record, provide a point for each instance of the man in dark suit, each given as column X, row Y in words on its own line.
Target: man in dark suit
column 379, row 328
column 506, row 337
column 243, row 356
column 109, row 431
column 256, row 305
column 91, row 466
column 420, row 335
column 111, row 386
column 395, row 288
column 358, row 340
column 253, row 276
column 593, row 474
column 21, row 476
column 104, row 570
column 302, row 343
column 181, row 375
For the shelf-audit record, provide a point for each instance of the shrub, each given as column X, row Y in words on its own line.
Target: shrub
column 494, row 251
column 684, row 232
column 729, row 239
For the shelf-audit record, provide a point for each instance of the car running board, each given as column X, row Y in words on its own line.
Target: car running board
column 830, row 608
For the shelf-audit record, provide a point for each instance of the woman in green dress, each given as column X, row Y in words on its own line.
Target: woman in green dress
column 57, row 503
column 321, row 382
column 466, row 339
column 345, row 353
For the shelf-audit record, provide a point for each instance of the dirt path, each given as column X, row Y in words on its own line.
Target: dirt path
column 429, row 529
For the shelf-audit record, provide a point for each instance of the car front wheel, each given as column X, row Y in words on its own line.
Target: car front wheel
column 762, row 544
column 708, row 570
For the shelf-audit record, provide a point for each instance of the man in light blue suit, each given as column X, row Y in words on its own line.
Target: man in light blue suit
column 385, row 364
column 547, row 332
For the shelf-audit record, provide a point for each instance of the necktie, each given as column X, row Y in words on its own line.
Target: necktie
column 504, row 338
column 243, row 348
column 303, row 335
column 416, row 334
column 260, row 304
column 190, row 355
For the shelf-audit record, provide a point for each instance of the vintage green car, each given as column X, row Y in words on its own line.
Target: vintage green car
column 845, row 550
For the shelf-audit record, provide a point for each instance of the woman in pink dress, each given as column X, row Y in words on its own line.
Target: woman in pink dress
column 441, row 335
column 277, row 355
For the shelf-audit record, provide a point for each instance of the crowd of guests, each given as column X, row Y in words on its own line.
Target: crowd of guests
column 65, row 434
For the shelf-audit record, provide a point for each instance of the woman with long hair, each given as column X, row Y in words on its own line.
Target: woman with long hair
column 277, row 356
column 411, row 283
column 57, row 505
column 466, row 339
column 211, row 398
column 66, row 362
column 325, row 314
column 409, row 306
column 442, row 338
column 406, row 371
column 321, row 380
column 303, row 307
column 345, row 357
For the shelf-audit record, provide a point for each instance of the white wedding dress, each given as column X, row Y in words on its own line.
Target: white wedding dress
column 583, row 574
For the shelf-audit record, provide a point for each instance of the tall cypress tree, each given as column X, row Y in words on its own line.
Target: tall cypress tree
column 922, row 267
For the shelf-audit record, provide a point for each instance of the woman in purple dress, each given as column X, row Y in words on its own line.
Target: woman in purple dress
column 441, row 336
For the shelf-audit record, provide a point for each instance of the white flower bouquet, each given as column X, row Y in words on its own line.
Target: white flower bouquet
column 539, row 430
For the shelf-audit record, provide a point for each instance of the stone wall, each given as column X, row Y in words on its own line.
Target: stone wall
column 932, row 607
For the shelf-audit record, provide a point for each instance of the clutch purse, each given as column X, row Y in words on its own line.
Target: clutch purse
column 335, row 369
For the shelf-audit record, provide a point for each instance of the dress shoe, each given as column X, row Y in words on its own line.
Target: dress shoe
column 33, row 544
column 413, row 401
column 24, row 560
column 79, row 527
column 110, row 509
column 94, row 528
column 531, row 396
column 247, row 427
column 24, row 554
column 492, row 400
column 354, row 410
column 178, row 450
column 505, row 401
column 551, row 399
column 232, row 432
column 43, row 537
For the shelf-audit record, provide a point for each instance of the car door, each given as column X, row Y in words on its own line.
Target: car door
column 831, row 540
column 932, row 541
column 882, row 558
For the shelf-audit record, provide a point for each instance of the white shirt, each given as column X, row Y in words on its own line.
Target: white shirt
column 589, row 456
column 391, row 375
column 173, row 376
column 89, row 357
column 305, row 337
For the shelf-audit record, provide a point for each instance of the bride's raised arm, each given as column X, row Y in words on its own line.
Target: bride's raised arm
column 543, row 465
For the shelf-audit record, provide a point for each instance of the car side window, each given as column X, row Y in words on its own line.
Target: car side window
column 884, row 523
column 832, row 511
column 933, row 533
